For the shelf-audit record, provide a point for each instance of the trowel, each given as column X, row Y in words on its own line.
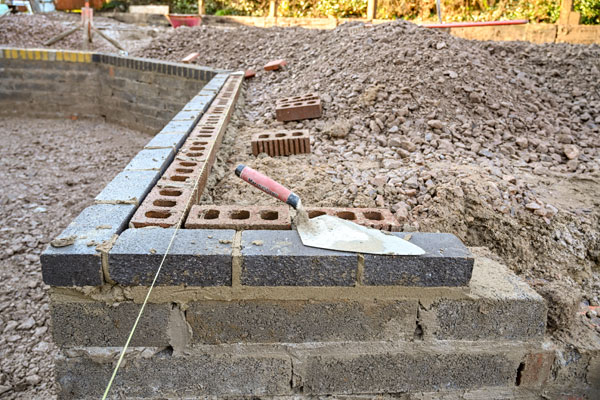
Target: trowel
column 326, row 231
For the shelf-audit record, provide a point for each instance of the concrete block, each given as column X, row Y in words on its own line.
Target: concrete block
column 278, row 258
column 216, row 83
column 500, row 307
column 166, row 141
column 79, row 263
column 83, row 373
column 264, row 321
column 182, row 127
column 377, row 370
column 151, row 160
column 187, row 115
column 196, row 257
column 128, row 187
column 200, row 102
column 99, row 324
column 447, row 262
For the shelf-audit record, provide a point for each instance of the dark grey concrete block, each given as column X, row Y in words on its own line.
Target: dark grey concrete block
column 196, row 258
column 100, row 324
column 79, row 264
column 166, row 141
column 282, row 260
column 410, row 371
column 447, row 262
column 166, row 375
column 128, row 187
column 200, row 102
column 151, row 160
column 278, row 321
column 183, row 127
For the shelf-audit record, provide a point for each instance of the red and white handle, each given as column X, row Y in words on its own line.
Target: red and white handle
column 267, row 185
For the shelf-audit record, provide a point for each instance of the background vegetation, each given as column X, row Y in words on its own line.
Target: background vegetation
column 546, row 11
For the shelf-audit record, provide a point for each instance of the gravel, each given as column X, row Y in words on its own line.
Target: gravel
column 49, row 172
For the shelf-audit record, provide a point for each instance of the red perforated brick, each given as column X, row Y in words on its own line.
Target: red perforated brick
column 183, row 170
column 162, row 207
column 378, row 218
column 275, row 65
column 189, row 171
column 238, row 217
column 190, row 57
column 249, row 73
column 281, row 143
column 299, row 107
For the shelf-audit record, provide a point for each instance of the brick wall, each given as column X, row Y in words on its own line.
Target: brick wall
column 124, row 90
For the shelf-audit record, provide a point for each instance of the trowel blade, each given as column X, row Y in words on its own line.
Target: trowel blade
column 334, row 233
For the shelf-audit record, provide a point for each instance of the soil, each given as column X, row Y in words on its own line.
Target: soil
column 498, row 143
column 48, row 175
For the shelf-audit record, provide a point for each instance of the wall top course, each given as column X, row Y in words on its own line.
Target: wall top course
column 141, row 64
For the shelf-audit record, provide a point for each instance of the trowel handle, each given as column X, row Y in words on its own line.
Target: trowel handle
column 267, row 185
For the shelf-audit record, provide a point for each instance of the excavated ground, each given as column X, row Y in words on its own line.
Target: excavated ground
column 495, row 142
column 50, row 170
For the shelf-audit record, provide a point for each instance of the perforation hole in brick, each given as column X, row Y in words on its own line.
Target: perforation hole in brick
column 210, row 214
column 350, row 216
column 157, row 214
column 373, row 215
column 164, row 203
column 269, row 215
column 315, row 213
column 170, row 192
column 239, row 214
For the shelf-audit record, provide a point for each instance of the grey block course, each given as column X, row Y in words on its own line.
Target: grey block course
column 164, row 375
column 216, row 83
column 128, row 187
column 80, row 264
column 187, row 115
column 279, row 321
column 200, row 102
column 183, row 127
column 447, row 262
column 282, row 260
column 99, row 324
column 400, row 372
column 151, row 160
column 166, row 141
column 196, row 258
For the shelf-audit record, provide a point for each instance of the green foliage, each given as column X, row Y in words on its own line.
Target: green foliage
column 590, row 11
column 546, row 11
column 184, row 7
column 342, row 8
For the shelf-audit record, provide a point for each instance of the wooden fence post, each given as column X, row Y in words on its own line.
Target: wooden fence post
column 272, row 8
column 201, row 7
column 372, row 9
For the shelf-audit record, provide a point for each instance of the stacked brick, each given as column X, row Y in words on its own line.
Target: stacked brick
column 299, row 107
column 378, row 218
column 238, row 217
column 184, row 180
column 281, row 143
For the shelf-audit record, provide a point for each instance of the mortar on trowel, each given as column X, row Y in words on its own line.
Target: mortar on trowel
column 326, row 231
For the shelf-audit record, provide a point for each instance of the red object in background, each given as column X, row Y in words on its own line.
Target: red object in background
column 184, row 20
column 63, row 5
